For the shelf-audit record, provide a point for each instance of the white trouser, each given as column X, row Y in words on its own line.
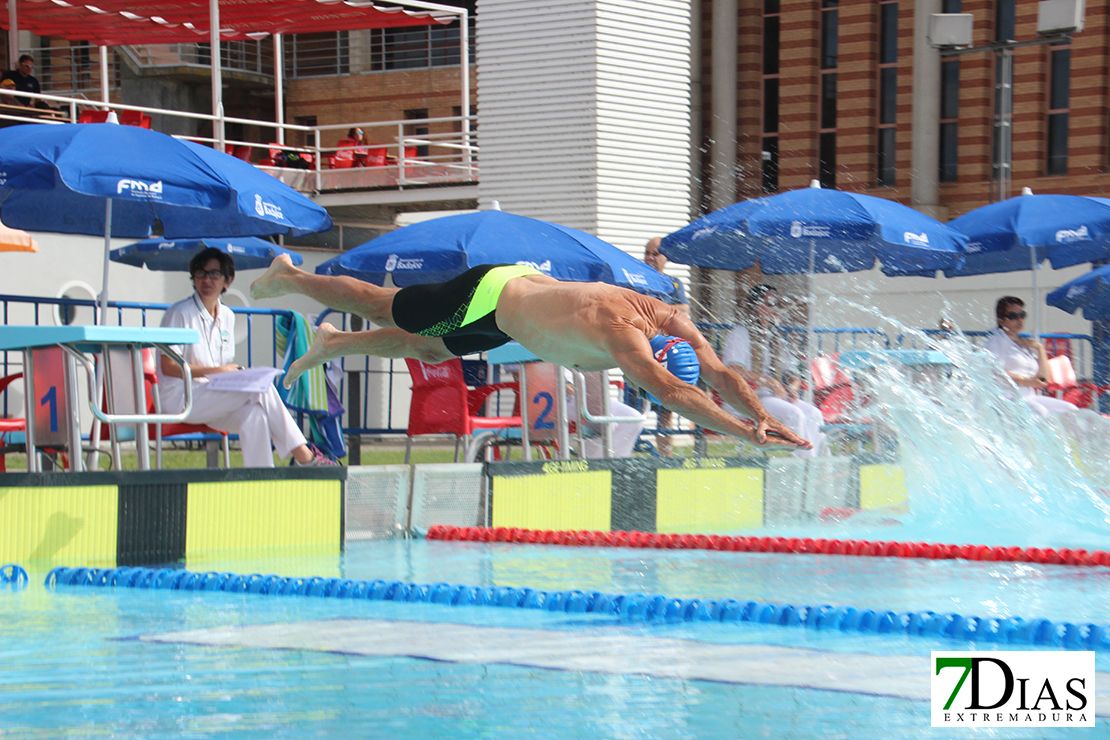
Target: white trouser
column 801, row 417
column 1047, row 405
column 624, row 435
column 258, row 419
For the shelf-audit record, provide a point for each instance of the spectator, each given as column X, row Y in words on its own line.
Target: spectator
column 258, row 418
column 6, row 98
column 655, row 259
column 1022, row 358
column 25, row 81
column 761, row 357
column 358, row 138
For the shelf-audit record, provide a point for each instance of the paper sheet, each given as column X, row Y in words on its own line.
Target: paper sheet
column 250, row 380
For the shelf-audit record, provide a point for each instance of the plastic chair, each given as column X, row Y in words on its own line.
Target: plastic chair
column 443, row 404
column 134, row 118
column 271, row 158
column 375, row 156
column 343, row 158
column 92, row 116
column 175, row 432
column 7, row 426
column 1057, row 346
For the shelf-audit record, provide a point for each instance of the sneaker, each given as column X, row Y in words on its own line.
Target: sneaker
column 319, row 460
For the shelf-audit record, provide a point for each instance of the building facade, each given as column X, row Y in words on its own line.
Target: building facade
column 851, row 94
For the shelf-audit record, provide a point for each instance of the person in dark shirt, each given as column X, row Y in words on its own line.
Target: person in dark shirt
column 25, row 81
column 655, row 259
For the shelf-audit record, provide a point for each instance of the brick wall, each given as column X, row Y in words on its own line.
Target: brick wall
column 380, row 96
column 1089, row 129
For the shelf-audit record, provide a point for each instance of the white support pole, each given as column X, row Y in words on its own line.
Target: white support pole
column 279, row 87
column 1005, row 87
column 13, row 36
column 217, row 75
column 104, row 74
column 464, row 81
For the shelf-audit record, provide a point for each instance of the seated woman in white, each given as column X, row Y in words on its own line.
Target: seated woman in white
column 258, row 418
column 1023, row 358
column 771, row 359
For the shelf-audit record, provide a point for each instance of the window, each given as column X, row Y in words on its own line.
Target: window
column 1059, row 93
column 417, row 129
column 770, row 142
column 949, row 117
column 317, row 54
column 886, row 135
column 826, row 147
column 1005, row 22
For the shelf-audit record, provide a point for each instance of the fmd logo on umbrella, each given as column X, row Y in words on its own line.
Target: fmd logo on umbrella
column 140, row 189
column 1066, row 236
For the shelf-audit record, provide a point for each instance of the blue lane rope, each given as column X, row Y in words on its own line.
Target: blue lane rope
column 628, row 607
column 14, row 575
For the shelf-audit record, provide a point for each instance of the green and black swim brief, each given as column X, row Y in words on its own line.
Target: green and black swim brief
column 462, row 310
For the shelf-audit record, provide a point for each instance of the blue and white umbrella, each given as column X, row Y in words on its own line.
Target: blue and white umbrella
column 441, row 248
column 1090, row 292
column 816, row 230
column 1021, row 233
column 174, row 255
column 122, row 181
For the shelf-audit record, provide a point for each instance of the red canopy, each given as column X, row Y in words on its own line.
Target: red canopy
column 119, row 22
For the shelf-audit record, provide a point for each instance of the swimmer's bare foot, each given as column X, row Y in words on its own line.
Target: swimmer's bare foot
column 317, row 354
column 273, row 282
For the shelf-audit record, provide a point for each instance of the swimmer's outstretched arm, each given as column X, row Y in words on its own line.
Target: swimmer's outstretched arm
column 330, row 343
column 733, row 389
column 692, row 403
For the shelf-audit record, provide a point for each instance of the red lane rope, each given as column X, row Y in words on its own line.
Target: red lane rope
column 862, row 548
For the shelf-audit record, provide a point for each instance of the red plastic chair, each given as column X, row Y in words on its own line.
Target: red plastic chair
column 374, row 156
column 134, row 118
column 343, row 158
column 1056, row 346
column 172, row 432
column 92, row 116
column 443, row 404
column 9, row 425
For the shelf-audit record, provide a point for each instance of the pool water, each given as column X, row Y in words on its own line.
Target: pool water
column 132, row 663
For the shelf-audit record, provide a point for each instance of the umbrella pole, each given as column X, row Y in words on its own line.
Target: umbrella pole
column 93, row 461
column 811, row 335
column 1036, row 296
column 107, row 254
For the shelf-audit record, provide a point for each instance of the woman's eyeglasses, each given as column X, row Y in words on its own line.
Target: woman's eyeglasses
column 210, row 274
column 1014, row 315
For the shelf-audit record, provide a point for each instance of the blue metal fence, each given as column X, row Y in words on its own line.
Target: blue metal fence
column 374, row 380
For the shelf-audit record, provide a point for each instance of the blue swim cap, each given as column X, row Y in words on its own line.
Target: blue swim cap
column 677, row 357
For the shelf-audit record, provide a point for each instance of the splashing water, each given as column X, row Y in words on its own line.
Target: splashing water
column 981, row 466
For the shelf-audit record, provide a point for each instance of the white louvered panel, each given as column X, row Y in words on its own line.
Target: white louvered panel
column 585, row 114
column 643, row 122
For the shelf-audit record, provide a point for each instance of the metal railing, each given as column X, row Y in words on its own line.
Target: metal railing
column 445, row 154
column 373, row 50
column 76, row 69
column 261, row 348
column 237, row 56
column 379, row 381
column 72, row 69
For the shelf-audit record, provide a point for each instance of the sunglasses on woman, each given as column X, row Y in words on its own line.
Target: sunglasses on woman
column 1014, row 315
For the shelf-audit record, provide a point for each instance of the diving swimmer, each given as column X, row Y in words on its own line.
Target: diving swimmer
column 587, row 326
